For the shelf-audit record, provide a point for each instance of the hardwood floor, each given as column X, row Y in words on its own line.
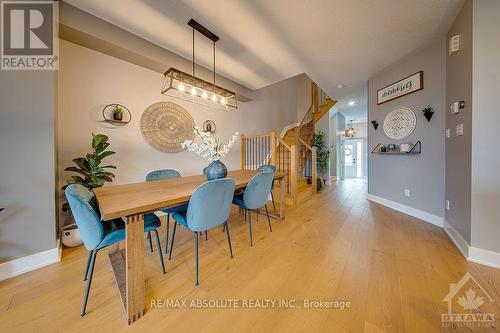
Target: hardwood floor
column 394, row 270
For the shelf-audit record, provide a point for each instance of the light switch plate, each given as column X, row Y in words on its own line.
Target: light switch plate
column 447, row 133
column 447, row 204
column 407, row 192
column 459, row 129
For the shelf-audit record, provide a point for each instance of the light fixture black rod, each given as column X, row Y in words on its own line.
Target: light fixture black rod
column 214, row 67
column 202, row 30
column 193, row 51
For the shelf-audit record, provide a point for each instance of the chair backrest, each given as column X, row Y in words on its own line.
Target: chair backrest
column 210, row 204
column 267, row 167
column 162, row 174
column 84, row 209
column 257, row 191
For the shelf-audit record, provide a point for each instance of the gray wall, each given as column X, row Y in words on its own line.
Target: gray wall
column 27, row 174
column 339, row 147
column 458, row 148
column 423, row 174
column 485, row 121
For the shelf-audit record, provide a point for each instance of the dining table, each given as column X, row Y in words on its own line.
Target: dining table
column 131, row 202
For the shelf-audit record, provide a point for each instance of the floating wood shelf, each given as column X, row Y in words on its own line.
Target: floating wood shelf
column 416, row 149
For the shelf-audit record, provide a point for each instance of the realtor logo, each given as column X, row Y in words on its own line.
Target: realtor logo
column 28, row 38
column 470, row 296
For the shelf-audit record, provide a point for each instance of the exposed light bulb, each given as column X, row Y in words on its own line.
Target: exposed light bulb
column 214, row 98
column 193, row 90
column 181, row 87
column 204, row 94
column 222, row 100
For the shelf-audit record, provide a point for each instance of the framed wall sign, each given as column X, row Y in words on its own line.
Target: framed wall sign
column 412, row 83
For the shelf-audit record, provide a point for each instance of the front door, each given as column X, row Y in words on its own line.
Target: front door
column 350, row 158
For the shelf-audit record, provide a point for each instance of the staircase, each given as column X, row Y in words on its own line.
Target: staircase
column 291, row 152
column 302, row 137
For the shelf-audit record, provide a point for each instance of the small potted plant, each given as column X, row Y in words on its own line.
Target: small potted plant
column 428, row 112
column 118, row 113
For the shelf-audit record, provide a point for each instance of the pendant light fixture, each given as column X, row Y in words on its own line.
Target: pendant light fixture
column 189, row 87
column 350, row 133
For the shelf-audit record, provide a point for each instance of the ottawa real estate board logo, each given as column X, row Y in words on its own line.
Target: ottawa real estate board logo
column 469, row 305
column 28, row 36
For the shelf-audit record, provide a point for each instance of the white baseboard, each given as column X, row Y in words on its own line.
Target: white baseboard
column 419, row 214
column 26, row 264
column 457, row 239
column 484, row 257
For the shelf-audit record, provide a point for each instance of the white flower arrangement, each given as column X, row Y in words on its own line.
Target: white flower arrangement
column 209, row 148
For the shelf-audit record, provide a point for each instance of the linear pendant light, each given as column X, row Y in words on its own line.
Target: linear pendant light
column 177, row 83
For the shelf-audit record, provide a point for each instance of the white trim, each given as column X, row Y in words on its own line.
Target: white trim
column 419, row 214
column 288, row 127
column 26, row 264
column 484, row 257
column 457, row 239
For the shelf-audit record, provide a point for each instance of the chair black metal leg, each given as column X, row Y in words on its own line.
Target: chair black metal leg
column 226, row 226
column 172, row 242
column 206, row 234
column 196, row 253
column 272, row 199
column 89, row 282
column 88, row 264
column 167, row 232
column 268, row 219
column 159, row 250
column 250, row 227
column 150, row 242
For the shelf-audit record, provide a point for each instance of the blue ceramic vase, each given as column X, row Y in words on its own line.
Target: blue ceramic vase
column 215, row 170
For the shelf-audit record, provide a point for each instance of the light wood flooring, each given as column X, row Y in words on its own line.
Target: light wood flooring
column 394, row 269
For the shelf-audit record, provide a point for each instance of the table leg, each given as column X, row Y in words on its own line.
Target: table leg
column 134, row 259
column 128, row 268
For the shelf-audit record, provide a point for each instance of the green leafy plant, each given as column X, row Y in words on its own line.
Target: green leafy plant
column 322, row 151
column 428, row 112
column 89, row 171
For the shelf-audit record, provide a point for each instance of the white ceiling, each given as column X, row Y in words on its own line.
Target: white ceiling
column 358, row 112
column 263, row 41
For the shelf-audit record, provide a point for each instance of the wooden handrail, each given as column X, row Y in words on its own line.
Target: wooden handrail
column 279, row 140
column 305, row 144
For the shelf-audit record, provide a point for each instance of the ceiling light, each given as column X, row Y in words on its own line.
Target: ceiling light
column 340, row 86
column 176, row 82
column 350, row 133
column 351, row 103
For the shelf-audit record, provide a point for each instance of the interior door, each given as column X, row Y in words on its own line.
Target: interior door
column 350, row 158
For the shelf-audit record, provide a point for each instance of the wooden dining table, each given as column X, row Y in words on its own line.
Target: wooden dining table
column 131, row 202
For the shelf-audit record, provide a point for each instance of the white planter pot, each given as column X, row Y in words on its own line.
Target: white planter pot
column 70, row 235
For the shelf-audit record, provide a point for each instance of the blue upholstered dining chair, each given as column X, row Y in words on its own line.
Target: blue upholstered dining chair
column 97, row 235
column 254, row 197
column 272, row 168
column 161, row 175
column 209, row 206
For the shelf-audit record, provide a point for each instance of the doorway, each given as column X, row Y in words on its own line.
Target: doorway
column 355, row 158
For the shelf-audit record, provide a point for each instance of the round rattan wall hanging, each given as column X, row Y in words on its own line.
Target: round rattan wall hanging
column 166, row 125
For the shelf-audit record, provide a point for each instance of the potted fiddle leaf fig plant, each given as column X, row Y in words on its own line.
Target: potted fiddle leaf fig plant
column 89, row 171
column 322, row 156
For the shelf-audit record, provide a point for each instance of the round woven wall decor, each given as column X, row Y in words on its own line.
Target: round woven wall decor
column 166, row 125
column 400, row 123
